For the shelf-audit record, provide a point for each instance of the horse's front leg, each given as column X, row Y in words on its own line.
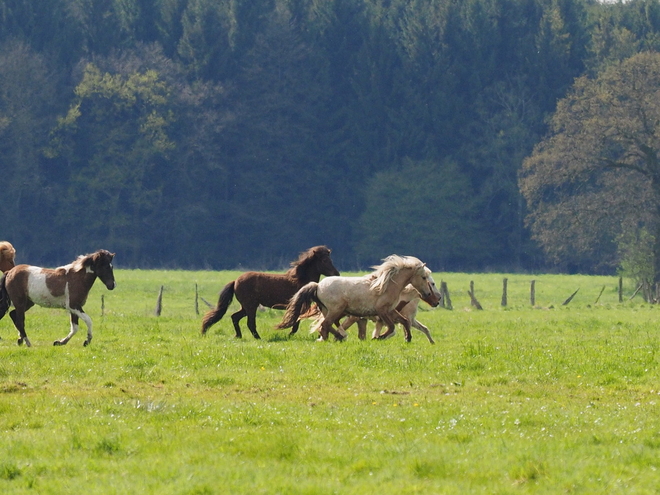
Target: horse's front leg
column 77, row 314
column 386, row 319
column 398, row 317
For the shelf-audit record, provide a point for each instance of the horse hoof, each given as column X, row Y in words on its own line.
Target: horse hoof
column 57, row 343
column 20, row 342
column 86, row 343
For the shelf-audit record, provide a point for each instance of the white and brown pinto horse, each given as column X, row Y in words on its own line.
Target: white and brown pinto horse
column 65, row 287
column 376, row 294
column 7, row 255
column 408, row 306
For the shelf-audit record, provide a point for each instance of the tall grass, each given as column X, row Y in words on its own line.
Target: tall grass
column 510, row 400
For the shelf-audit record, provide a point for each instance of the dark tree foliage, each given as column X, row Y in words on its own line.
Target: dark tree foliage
column 225, row 133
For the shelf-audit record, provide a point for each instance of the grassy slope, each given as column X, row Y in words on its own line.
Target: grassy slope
column 509, row 400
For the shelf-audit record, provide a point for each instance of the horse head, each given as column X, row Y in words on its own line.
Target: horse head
column 425, row 285
column 313, row 263
column 436, row 296
column 326, row 267
column 100, row 263
column 7, row 255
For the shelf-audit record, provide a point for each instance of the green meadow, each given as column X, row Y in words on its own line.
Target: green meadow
column 516, row 399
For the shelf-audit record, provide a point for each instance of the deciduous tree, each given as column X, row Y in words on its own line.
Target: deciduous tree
column 596, row 176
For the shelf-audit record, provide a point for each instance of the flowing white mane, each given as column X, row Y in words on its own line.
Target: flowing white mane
column 391, row 266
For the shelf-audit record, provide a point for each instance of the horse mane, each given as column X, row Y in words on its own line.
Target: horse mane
column 80, row 262
column 305, row 258
column 390, row 267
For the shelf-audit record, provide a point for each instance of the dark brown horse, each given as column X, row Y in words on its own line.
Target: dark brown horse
column 7, row 254
column 270, row 289
column 64, row 287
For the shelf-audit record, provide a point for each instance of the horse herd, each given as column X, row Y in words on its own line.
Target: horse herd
column 389, row 295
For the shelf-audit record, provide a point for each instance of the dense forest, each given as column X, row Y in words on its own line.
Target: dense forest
column 238, row 133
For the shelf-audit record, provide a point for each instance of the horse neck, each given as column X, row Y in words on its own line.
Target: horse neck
column 82, row 279
column 306, row 275
column 401, row 279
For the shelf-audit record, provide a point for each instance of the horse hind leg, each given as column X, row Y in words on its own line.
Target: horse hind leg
column 424, row 329
column 235, row 319
column 252, row 324
column 294, row 328
column 18, row 317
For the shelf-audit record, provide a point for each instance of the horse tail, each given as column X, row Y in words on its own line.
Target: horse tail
column 5, row 302
column 216, row 314
column 300, row 303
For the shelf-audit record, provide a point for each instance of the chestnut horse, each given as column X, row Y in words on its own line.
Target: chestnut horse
column 269, row 289
column 376, row 294
column 7, row 254
column 64, row 287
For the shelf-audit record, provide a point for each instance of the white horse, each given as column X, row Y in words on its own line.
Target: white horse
column 376, row 294
column 408, row 305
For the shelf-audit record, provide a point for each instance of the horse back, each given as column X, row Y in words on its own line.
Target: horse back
column 267, row 289
column 43, row 286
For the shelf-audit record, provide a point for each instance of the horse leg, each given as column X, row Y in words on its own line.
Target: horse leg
column 362, row 328
column 424, row 329
column 75, row 315
column 328, row 327
column 389, row 320
column 294, row 329
column 252, row 323
column 18, row 317
column 74, row 329
column 236, row 318
column 406, row 325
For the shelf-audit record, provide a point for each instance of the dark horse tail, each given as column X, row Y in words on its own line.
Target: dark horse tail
column 5, row 302
column 214, row 315
column 299, row 304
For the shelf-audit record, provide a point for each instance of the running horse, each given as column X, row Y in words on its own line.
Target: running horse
column 65, row 287
column 7, row 255
column 408, row 305
column 375, row 294
column 272, row 290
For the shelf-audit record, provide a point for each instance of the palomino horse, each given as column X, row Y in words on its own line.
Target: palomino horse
column 408, row 305
column 7, row 254
column 64, row 287
column 376, row 294
column 269, row 289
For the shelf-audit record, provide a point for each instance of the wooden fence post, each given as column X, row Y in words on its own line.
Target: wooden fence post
column 196, row 301
column 601, row 293
column 446, row 300
column 102, row 304
column 504, row 290
column 620, row 289
column 570, row 298
column 532, row 293
column 473, row 300
column 159, row 302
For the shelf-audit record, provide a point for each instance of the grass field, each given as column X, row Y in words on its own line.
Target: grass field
column 550, row 399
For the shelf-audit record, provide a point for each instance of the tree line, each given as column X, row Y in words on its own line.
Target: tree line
column 221, row 134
